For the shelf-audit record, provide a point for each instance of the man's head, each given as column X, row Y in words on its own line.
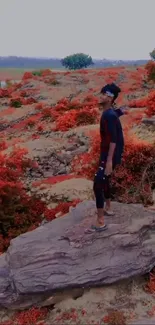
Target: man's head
column 108, row 95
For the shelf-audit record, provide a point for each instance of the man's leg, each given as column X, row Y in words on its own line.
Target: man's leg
column 100, row 181
column 98, row 191
column 107, row 195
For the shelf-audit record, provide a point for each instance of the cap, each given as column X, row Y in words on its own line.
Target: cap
column 112, row 90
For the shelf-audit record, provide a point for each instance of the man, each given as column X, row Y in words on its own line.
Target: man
column 112, row 144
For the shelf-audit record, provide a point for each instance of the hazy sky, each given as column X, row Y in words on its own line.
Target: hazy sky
column 114, row 29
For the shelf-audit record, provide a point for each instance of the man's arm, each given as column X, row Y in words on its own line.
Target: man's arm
column 112, row 134
column 119, row 112
column 111, row 128
column 111, row 151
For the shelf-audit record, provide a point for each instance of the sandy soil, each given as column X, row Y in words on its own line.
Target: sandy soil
column 72, row 189
column 128, row 297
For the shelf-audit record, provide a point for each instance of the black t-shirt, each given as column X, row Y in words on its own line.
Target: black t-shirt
column 111, row 132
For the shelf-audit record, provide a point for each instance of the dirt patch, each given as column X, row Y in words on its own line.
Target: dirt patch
column 144, row 132
column 127, row 297
column 71, row 189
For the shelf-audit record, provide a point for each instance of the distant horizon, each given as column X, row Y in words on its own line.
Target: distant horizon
column 59, row 58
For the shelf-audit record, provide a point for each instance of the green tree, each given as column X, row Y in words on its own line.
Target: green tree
column 152, row 55
column 77, row 61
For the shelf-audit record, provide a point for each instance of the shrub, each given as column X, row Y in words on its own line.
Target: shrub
column 46, row 112
column 150, row 111
column 19, row 101
column 4, row 93
column 67, row 121
column 39, row 106
column 16, row 102
column 17, row 210
column 75, row 118
column 52, row 82
column 27, row 75
column 3, row 145
column 30, row 123
column 37, row 73
column 137, row 103
column 115, row 318
column 150, row 286
column 46, row 72
column 29, row 317
column 134, row 179
column 86, row 116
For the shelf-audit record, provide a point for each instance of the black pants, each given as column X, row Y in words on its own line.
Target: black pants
column 101, row 186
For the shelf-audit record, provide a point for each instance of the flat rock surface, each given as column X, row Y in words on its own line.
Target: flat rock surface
column 60, row 255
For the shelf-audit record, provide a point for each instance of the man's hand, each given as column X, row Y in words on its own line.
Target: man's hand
column 125, row 110
column 108, row 169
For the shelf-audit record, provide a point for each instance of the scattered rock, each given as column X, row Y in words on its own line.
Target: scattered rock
column 55, row 157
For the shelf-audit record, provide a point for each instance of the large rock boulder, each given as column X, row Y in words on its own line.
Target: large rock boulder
column 60, row 255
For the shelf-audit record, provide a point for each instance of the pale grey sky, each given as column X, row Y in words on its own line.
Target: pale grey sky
column 114, row 29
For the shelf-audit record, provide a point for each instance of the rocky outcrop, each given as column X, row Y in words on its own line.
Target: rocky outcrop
column 56, row 156
column 60, row 255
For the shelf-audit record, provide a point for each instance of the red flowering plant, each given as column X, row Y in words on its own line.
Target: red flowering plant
column 75, row 118
column 4, row 93
column 134, row 179
column 150, row 111
column 32, row 316
column 19, row 101
column 75, row 113
column 27, row 75
column 150, row 69
column 17, row 210
column 137, row 103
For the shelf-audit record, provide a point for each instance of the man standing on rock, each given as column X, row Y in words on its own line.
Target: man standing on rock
column 112, row 145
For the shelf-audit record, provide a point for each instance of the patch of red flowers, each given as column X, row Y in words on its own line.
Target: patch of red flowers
column 27, row 75
column 3, row 145
column 53, row 180
column 141, row 102
column 150, row 287
column 75, row 118
column 134, row 179
column 115, row 318
column 4, row 93
column 30, row 317
column 18, row 211
column 19, row 101
column 150, row 111
column 148, row 102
